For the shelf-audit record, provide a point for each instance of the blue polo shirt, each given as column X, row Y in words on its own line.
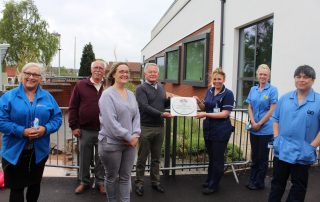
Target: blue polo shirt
column 298, row 127
column 218, row 129
column 260, row 102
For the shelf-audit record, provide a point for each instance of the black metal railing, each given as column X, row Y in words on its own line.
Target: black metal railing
column 183, row 147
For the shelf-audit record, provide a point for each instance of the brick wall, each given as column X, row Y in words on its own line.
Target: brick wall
column 188, row 90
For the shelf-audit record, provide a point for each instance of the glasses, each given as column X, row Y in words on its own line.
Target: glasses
column 123, row 72
column 28, row 74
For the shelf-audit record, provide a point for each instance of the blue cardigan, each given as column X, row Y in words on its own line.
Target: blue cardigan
column 17, row 113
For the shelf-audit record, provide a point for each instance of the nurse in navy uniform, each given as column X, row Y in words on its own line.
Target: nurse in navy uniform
column 216, row 106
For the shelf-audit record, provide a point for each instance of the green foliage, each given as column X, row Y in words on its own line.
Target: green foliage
column 66, row 72
column 233, row 153
column 87, row 58
column 130, row 86
column 30, row 41
column 189, row 137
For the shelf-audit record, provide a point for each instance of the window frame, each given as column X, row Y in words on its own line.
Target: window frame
column 178, row 48
column 164, row 66
column 253, row 78
column 204, row 82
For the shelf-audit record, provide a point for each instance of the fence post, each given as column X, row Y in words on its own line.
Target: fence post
column 174, row 144
column 167, row 146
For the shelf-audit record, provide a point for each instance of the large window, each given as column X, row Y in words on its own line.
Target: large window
column 160, row 63
column 173, row 65
column 255, row 48
column 196, row 60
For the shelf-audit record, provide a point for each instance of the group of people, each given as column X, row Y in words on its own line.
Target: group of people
column 110, row 121
column 292, row 126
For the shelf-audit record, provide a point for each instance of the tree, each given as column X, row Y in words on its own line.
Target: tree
column 27, row 34
column 87, row 58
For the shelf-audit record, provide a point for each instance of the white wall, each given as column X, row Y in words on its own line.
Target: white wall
column 296, row 34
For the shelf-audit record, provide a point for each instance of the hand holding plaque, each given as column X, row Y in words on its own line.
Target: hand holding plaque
column 183, row 106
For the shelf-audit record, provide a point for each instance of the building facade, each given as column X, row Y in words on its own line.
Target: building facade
column 193, row 37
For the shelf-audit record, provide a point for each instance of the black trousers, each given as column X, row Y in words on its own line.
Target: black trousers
column 26, row 173
column 299, row 177
column 216, row 150
column 259, row 156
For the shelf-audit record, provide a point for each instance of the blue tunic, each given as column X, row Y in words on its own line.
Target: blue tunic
column 260, row 102
column 218, row 129
column 298, row 127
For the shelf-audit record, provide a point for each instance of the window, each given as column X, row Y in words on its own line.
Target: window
column 173, row 65
column 196, row 60
column 160, row 63
column 255, row 48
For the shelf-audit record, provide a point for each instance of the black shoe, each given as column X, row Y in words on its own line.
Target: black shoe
column 208, row 191
column 254, row 187
column 205, row 185
column 139, row 191
column 158, row 188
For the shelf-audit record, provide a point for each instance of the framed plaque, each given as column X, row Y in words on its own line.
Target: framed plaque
column 183, row 106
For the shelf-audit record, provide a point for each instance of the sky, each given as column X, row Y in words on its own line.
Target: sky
column 117, row 29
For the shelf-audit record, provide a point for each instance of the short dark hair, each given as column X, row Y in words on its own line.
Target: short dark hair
column 306, row 70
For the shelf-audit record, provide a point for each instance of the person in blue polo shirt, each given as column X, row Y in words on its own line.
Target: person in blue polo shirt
column 296, row 129
column 262, row 101
column 217, row 128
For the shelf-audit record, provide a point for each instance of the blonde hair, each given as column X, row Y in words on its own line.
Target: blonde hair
column 219, row 71
column 27, row 66
column 263, row 67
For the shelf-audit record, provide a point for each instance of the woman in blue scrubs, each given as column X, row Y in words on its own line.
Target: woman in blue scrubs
column 262, row 101
column 217, row 128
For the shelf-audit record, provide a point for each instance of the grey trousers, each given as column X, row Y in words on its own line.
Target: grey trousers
column 88, row 144
column 150, row 141
column 117, row 161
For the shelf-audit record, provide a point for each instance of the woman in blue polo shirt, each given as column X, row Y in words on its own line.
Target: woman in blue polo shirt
column 262, row 101
column 217, row 128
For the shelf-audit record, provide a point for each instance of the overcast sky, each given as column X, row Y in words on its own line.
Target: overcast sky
column 121, row 26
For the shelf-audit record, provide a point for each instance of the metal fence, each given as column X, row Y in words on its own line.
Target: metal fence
column 183, row 149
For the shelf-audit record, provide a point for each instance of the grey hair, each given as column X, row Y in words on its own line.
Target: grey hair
column 31, row 64
column 147, row 65
column 104, row 64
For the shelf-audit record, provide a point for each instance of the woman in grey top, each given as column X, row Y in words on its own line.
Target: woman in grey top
column 119, row 132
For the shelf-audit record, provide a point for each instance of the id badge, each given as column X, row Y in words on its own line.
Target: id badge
column 216, row 110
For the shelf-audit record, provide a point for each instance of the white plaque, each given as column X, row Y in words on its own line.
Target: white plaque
column 183, row 106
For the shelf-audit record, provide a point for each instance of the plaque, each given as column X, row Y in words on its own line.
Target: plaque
column 183, row 106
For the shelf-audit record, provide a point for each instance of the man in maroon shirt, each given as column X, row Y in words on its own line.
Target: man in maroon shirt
column 85, row 125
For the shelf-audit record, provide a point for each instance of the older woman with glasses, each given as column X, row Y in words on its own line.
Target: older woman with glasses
column 28, row 115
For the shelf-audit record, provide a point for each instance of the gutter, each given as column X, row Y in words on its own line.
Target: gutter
column 221, row 32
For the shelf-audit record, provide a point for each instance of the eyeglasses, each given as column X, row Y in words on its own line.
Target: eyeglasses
column 28, row 74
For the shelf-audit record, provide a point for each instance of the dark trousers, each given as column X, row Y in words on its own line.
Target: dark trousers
column 299, row 177
column 259, row 155
column 32, row 195
column 26, row 173
column 216, row 150
column 150, row 141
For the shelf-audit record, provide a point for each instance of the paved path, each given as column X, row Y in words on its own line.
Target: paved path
column 184, row 188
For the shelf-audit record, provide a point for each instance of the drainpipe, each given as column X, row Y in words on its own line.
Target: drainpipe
column 221, row 32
